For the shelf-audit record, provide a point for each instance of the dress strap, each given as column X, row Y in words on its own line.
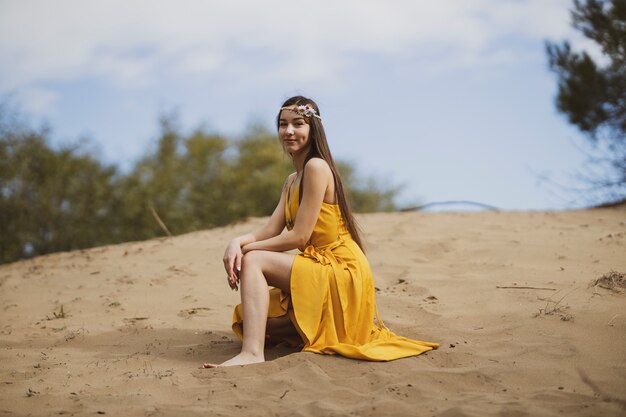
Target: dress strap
column 289, row 184
column 288, row 220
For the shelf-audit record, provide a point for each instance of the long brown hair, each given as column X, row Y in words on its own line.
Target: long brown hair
column 319, row 148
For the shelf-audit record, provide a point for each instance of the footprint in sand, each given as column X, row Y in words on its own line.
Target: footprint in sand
column 195, row 311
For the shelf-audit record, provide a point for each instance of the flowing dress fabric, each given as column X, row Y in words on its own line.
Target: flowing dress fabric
column 332, row 301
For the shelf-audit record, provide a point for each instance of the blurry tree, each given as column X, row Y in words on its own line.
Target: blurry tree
column 367, row 194
column 183, row 182
column 593, row 94
column 257, row 174
column 50, row 200
column 63, row 199
column 204, row 180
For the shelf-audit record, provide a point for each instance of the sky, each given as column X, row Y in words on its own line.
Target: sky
column 452, row 100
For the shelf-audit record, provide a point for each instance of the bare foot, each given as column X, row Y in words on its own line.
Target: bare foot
column 241, row 359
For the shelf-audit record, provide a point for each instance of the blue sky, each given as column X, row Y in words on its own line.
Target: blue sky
column 452, row 99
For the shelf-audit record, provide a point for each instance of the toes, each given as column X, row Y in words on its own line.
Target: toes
column 207, row 365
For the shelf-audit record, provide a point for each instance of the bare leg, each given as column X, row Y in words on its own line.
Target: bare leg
column 255, row 303
column 259, row 268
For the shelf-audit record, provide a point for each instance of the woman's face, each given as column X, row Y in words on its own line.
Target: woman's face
column 293, row 131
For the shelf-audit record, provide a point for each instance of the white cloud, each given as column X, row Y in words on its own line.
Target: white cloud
column 132, row 43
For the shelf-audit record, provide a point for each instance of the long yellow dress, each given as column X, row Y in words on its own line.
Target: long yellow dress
column 332, row 302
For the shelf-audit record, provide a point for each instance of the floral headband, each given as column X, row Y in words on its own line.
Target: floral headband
column 303, row 110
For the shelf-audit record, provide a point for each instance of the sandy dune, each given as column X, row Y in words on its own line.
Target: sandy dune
column 121, row 330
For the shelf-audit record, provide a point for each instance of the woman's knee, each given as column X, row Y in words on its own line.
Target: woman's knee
column 276, row 268
column 253, row 259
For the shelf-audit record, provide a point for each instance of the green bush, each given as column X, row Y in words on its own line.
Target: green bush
column 59, row 199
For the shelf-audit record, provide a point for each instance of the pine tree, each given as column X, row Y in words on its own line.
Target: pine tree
column 593, row 94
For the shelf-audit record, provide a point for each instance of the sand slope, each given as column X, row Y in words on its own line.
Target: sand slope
column 140, row 317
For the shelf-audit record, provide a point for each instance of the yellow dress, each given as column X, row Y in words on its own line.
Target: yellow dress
column 332, row 302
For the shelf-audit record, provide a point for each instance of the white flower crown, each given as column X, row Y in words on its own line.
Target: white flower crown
column 303, row 110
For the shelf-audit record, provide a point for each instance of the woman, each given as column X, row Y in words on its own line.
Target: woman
column 323, row 298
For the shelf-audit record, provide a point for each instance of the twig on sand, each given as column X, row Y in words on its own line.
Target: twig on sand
column 610, row 323
column 603, row 395
column 159, row 221
column 527, row 288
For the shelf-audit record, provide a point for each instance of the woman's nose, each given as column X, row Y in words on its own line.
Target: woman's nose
column 289, row 129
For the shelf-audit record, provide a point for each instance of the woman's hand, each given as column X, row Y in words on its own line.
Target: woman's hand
column 232, row 263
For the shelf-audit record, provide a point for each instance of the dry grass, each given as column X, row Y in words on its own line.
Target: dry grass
column 555, row 308
column 612, row 280
column 60, row 315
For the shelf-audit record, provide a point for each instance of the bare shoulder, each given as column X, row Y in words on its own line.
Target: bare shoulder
column 319, row 176
column 317, row 167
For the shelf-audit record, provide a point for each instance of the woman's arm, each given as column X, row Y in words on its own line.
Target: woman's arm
column 317, row 177
column 233, row 253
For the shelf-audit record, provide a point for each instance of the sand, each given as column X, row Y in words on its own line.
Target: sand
column 121, row 330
